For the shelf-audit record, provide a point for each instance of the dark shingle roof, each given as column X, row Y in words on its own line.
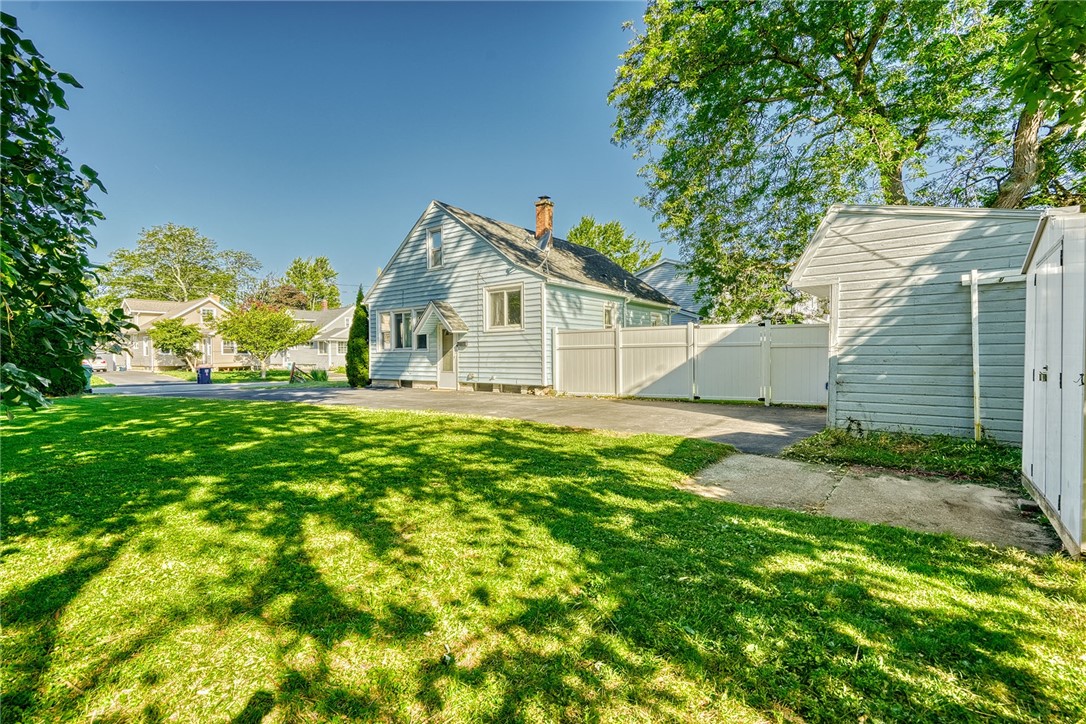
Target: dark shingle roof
column 564, row 260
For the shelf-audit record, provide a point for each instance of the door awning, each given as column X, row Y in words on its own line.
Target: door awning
column 445, row 314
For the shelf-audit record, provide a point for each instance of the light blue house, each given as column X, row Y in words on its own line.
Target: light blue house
column 467, row 302
column 669, row 277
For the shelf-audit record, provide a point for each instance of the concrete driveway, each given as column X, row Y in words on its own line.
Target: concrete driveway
column 750, row 428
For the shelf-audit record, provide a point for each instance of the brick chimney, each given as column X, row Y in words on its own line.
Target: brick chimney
column 324, row 305
column 544, row 216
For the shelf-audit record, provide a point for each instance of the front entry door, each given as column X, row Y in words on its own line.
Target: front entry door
column 446, row 366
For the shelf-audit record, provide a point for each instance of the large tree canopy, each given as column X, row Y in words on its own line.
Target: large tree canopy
column 178, row 263
column 262, row 331
column 45, row 275
column 753, row 117
column 316, row 279
column 612, row 240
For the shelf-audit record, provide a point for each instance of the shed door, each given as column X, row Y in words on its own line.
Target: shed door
column 1049, row 362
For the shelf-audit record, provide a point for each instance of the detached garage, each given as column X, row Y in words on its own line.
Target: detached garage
column 1055, row 360
column 902, row 323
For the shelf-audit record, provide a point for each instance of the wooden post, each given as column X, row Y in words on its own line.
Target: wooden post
column 974, row 305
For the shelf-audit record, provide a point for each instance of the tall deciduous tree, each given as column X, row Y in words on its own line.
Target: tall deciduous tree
column 753, row 117
column 262, row 331
column 46, row 277
column 358, row 344
column 317, row 280
column 173, row 336
column 273, row 291
column 612, row 240
column 178, row 263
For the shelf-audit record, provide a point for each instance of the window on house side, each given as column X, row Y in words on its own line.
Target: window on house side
column 505, row 307
column 433, row 248
column 229, row 347
column 341, row 347
column 608, row 316
column 386, row 330
column 207, row 315
column 401, row 338
column 657, row 319
column 421, row 342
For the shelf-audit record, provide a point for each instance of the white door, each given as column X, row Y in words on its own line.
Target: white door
column 1050, row 359
column 446, row 364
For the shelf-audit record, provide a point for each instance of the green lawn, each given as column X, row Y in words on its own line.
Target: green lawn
column 986, row 461
column 199, row 560
column 97, row 381
column 231, row 375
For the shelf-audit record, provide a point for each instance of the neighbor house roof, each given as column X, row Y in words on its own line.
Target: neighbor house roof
column 562, row 260
column 166, row 309
column 668, row 276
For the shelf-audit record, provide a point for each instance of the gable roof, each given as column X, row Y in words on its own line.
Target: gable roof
column 167, row 309
column 319, row 318
column 668, row 276
column 445, row 314
column 799, row 278
column 562, row 261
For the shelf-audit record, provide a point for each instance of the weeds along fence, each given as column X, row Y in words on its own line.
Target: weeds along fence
column 787, row 364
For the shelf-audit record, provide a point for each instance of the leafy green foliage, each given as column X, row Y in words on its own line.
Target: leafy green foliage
column 752, row 118
column 985, row 461
column 274, row 292
column 178, row 263
column 173, row 336
column 226, row 376
column 212, row 559
column 316, row 279
column 46, row 277
column 318, row 375
column 262, row 331
column 358, row 344
column 612, row 240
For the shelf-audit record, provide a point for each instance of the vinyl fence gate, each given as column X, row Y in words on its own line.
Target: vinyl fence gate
column 786, row 364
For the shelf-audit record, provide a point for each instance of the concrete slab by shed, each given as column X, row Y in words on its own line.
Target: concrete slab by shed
column 929, row 505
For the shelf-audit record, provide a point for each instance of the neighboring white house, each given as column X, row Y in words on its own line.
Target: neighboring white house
column 140, row 351
column 668, row 276
column 1053, row 452
column 328, row 348
column 901, row 333
column 467, row 301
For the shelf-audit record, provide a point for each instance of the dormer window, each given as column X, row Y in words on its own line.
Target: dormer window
column 433, row 248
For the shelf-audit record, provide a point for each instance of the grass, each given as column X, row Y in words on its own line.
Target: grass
column 190, row 560
column 226, row 376
column 987, row 462
column 97, row 381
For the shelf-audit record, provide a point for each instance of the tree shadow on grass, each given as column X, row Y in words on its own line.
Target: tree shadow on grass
column 565, row 576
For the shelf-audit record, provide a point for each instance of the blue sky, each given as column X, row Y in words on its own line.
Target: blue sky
column 303, row 129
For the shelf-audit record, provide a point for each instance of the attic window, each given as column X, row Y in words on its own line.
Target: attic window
column 433, row 248
column 207, row 315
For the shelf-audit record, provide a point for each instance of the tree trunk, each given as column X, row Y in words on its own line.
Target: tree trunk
column 893, row 184
column 1025, row 162
column 264, row 368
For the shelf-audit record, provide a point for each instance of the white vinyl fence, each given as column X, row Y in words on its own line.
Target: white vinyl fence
column 782, row 364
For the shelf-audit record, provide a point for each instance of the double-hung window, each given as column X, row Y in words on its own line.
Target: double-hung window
column 229, row 347
column 433, row 248
column 401, row 330
column 385, row 330
column 504, row 307
column 608, row 315
column 341, row 347
column 207, row 315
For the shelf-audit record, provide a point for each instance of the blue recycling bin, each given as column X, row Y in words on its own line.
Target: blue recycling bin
column 203, row 375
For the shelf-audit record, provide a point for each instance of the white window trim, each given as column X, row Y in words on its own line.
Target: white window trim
column 222, row 347
column 490, row 327
column 380, row 331
column 430, row 248
column 392, row 330
column 341, row 347
column 213, row 314
column 609, row 307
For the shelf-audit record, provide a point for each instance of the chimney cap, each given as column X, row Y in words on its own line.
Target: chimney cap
column 544, row 198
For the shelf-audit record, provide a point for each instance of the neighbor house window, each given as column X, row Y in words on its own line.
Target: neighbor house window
column 229, row 347
column 385, row 331
column 207, row 315
column 656, row 318
column 401, row 336
column 608, row 315
column 145, row 341
column 341, row 347
column 433, row 248
column 421, row 342
column 504, row 307
column 313, row 344
column 322, row 347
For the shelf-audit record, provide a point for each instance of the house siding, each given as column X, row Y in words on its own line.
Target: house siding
column 669, row 279
column 469, row 267
column 210, row 346
column 903, row 338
